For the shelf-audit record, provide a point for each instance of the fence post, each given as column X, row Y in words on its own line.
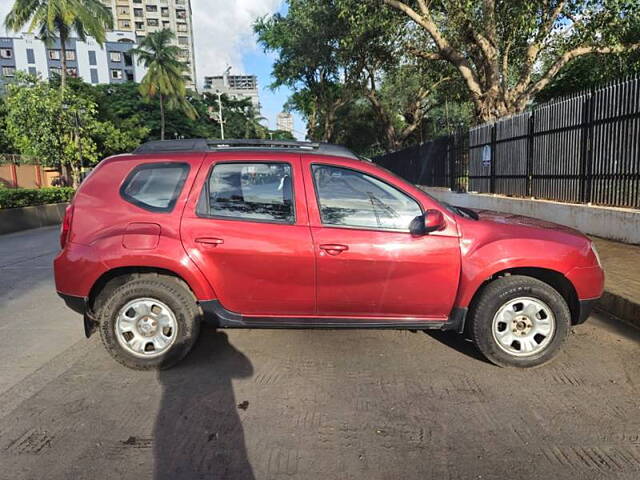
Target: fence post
column 530, row 138
column 451, row 153
column 492, row 167
column 587, row 148
column 14, row 174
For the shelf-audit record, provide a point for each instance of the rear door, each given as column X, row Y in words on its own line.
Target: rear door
column 246, row 227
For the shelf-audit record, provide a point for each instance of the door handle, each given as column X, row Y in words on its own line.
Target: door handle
column 333, row 248
column 210, row 241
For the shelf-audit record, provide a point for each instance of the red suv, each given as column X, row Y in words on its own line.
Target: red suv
column 256, row 234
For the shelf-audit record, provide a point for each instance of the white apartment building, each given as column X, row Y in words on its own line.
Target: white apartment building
column 141, row 17
column 109, row 63
column 234, row 86
column 284, row 122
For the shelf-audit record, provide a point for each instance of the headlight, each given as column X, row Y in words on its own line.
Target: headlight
column 595, row 252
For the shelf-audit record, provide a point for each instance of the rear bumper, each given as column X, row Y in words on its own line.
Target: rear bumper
column 79, row 305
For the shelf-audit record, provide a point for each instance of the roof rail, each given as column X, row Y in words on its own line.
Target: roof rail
column 203, row 145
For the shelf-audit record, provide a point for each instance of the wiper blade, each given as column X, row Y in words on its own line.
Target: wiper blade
column 463, row 211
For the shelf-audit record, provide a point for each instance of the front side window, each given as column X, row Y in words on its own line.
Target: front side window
column 348, row 198
column 250, row 191
column 155, row 186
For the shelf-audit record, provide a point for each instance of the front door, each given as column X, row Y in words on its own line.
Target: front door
column 368, row 264
column 249, row 234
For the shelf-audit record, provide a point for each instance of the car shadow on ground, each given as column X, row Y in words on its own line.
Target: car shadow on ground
column 457, row 342
column 198, row 432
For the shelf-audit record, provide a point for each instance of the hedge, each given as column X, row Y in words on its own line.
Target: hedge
column 26, row 197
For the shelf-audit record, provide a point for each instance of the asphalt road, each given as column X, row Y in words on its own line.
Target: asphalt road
column 275, row 404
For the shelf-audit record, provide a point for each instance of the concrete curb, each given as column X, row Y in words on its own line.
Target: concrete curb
column 26, row 218
column 621, row 308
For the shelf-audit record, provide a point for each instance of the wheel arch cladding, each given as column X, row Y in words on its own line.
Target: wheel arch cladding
column 553, row 278
column 113, row 278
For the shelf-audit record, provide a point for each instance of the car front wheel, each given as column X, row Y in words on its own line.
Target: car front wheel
column 519, row 321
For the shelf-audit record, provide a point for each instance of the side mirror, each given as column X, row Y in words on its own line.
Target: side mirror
column 429, row 221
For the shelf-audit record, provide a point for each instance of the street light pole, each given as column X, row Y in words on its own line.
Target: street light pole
column 220, row 114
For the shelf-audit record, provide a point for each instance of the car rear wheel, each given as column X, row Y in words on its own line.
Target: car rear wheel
column 149, row 322
column 519, row 321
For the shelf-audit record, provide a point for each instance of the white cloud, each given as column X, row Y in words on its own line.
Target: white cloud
column 223, row 31
column 5, row 6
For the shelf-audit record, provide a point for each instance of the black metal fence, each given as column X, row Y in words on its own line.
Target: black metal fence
column 439, row 162
column 584, row 149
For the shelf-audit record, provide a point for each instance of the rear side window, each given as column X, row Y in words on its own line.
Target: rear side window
column 249, row 191
column 155, row 186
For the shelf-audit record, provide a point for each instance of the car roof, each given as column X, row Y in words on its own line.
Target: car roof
column 204, row 145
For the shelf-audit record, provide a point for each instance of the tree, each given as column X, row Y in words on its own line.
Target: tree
column 111, row 140
column 307, row 40
column 593, row 71
column 402, row 103
column 336, row 52
column 254, row 127
column 55, row 129
column 6, row 146
column 165, row 77
column 506, row 52
column 59, row 19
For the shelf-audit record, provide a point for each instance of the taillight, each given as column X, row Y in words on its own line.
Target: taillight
column 66, row 226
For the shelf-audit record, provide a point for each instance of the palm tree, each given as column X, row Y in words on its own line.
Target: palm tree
column 254, row 127
column 59, row 19
column 165, row 77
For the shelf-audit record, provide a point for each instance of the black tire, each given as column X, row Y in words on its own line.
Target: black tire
column 171, row 291
column 501, row 291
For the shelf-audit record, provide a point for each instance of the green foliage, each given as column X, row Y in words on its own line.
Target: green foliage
column 123, row 105
column 6, row 146
column 58, row 128
column 281, row 135
column 593, row 71
column 36, row 121
column 111, row 140
column 26, row 197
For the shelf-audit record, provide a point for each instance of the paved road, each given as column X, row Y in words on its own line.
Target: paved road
column 302, row 404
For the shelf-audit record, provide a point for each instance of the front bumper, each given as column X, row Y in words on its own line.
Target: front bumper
column 588, row 281
column 585, row 309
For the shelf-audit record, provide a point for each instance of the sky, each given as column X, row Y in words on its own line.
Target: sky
column 223, row 31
